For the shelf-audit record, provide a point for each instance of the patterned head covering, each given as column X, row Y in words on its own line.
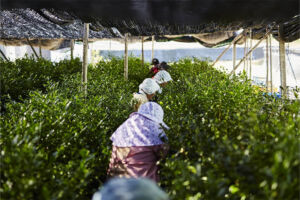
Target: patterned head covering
column 153, row 111
column 130, row 189
column 142, row 128
column 149, row 86
column 162, row 77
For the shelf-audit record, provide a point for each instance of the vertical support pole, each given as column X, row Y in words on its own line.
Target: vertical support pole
column 40, row 48
column 282, row 67
column 282, row 62
column 245, row 50
column 271, row 68
column 126, row 58
column 233, row 55
column 85, row 57
column 152, row 47
column 72, row 48
column 267, row 64
column 143, row 61
column 250, row 70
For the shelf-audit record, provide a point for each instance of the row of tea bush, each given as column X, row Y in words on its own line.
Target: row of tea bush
column 227, row 140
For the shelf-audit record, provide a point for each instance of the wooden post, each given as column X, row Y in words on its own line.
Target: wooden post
column 40, row 48
column 250, row 51
column 152, row 47
column 3, row 55
column 36, row 55
column 143, row 61
column 85, row 57
column 72, row 48
column 227, row 48
column 245, row 51
column 233, row 55
column 282, row 67
column 267, row 63
column 271, row 68
column 126, row 58
column 250, row 70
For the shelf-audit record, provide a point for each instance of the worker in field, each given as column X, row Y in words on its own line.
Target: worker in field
column 139, row 143
column 162, row 78
column 130, row 189
column 147, row 90
column 163, row 66
column 155, row 68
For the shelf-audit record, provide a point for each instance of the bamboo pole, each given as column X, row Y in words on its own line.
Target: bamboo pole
column 40, row 48
column 250, row 51
column 143, row 61
column 245, row 52
column 126, row 58
column 248, row 57
column 85, row 57
column 250, row 70
column 282, row 62
column 282, row 67
column 227, row 48
column 3, row 55
column 267, row 63
column 72, row 49
column 152, row 47
column 271, row 68
column 233, row 55
column 247, row 49
column 32, row 48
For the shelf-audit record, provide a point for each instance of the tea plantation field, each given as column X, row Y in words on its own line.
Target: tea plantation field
column 227, row 140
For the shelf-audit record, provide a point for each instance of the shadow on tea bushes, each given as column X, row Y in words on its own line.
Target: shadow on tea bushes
column 229, row 141
column 55, row 145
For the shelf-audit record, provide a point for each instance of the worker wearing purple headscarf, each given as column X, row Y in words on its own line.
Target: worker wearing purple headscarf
column 139, row 143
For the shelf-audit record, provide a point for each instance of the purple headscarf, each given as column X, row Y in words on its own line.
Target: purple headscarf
column 142, row 128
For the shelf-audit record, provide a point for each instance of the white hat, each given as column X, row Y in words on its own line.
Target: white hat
column 162, row 77
column 149, row 86
column 153, row 111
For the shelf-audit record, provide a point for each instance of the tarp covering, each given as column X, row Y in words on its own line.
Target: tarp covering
column 55, row 28
column 184, row 12
column 44, row 24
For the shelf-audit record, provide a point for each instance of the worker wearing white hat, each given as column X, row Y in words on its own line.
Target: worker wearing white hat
column 162, row 78
column 147, row 90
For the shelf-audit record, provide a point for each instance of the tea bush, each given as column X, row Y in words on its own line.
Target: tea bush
column 56, row 143
column 26, row 74
column 227, row 140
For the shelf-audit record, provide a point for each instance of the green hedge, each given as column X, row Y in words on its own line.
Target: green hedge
column 26, row 74
column 227, row 140
column 231, row 141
